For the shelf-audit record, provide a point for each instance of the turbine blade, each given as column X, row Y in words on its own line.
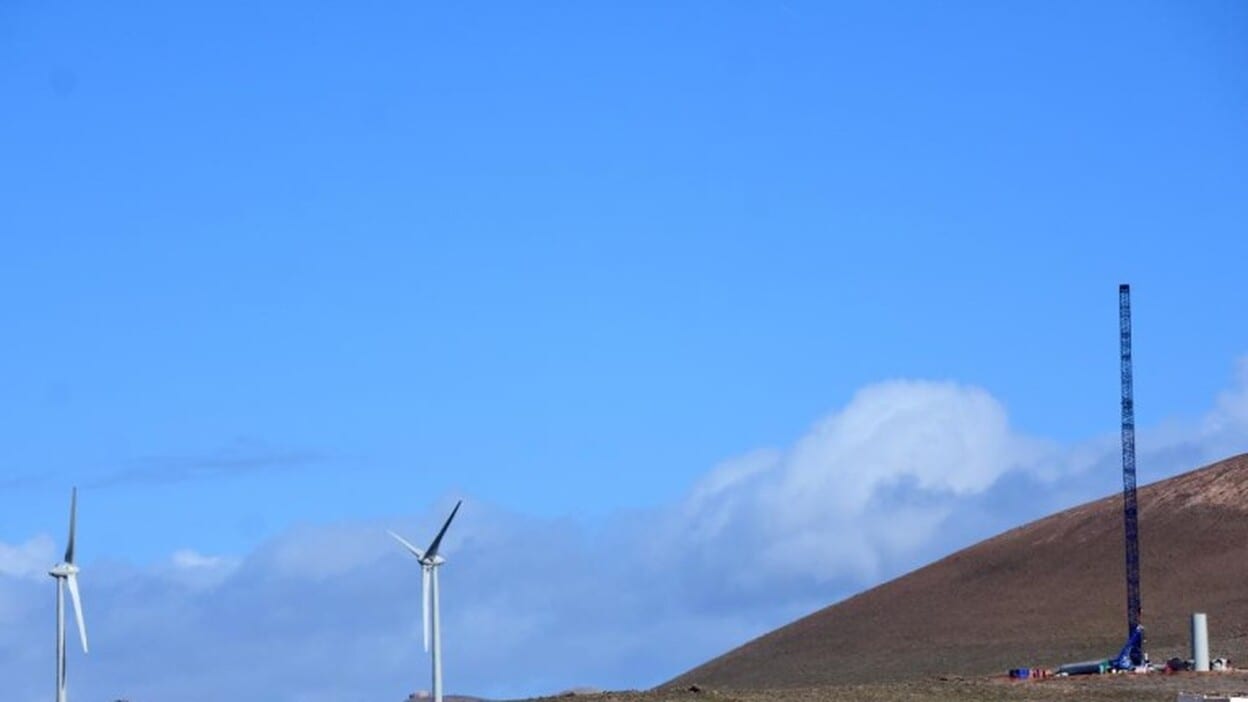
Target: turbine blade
column 72, row 581
column 415, row 551
column 425, row 594
column 437, row 541
column 73, row 513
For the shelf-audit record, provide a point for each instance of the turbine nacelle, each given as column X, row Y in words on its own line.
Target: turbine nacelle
column 64, row 570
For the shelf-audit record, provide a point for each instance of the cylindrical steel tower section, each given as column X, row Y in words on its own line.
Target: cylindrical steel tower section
column 1200, row 641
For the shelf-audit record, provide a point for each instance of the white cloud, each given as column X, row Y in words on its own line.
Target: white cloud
column 29, row 560
column 189, row 559
column 325, row 551
column 1231, row 409
column 943, row 436
column 906, row 471
column 857, row 489
column 197, row 570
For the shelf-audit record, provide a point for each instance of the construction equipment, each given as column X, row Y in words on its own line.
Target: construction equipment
column 1134, row 646
column 1130, row 507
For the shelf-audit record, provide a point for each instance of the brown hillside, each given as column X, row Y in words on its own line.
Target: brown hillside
column 1041, row 594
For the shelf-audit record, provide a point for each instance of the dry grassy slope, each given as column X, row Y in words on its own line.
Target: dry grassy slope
column 1041, row 594
column 1084, row 688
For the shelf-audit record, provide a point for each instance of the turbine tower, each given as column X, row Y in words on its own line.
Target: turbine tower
column 66, row 574
column 429, row 562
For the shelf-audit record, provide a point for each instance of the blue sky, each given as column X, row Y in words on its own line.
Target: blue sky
column 290, row 269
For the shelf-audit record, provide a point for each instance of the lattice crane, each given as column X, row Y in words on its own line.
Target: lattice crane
column 1130, row 505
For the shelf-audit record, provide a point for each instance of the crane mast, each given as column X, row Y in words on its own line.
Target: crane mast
column 1130, row 506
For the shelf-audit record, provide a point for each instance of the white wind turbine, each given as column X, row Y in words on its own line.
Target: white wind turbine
column 67, row 574
column 429, row 562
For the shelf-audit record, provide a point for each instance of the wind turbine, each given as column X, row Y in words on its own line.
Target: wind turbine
column 66, row 573
column 429, row 562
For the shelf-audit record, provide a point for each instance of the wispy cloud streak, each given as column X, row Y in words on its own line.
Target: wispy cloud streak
column 243, row 457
